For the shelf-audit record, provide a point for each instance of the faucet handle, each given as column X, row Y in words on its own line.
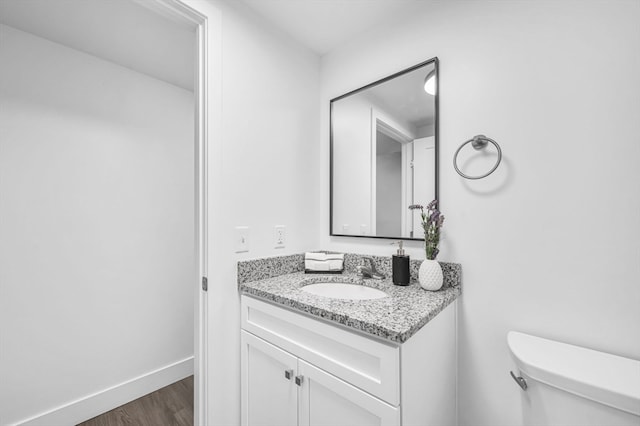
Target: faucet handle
column 370, row 259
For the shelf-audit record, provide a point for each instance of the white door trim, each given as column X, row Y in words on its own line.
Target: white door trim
column 381, row 121
column 180, row 11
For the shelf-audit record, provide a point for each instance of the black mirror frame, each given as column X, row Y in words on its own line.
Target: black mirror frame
column 435, row 62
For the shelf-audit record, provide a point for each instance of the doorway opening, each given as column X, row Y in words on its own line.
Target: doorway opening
column 103, row 217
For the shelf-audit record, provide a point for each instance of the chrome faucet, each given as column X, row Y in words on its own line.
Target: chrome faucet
column 370, row 272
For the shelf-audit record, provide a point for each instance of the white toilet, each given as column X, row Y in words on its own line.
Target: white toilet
column 570, row 385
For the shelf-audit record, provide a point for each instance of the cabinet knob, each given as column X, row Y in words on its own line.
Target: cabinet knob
column 288, row 374
column 299, row 380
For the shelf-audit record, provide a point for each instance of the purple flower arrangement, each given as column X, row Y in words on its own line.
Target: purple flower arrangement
column 432, row 221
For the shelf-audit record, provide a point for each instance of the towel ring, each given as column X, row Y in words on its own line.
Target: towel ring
column 478, row 142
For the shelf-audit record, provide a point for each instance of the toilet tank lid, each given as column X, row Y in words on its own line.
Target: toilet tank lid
column 609, row 379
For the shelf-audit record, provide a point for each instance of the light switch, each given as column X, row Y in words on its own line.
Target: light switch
column 242, row 239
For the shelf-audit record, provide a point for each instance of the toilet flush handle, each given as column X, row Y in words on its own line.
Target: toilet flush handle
column 519, row 380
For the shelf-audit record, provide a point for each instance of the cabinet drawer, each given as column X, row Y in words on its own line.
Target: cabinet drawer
column 368, row 364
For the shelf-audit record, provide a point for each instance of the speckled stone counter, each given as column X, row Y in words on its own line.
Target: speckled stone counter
column 395, row 318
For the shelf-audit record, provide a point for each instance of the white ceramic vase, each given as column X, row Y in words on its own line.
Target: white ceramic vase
column 430, row 275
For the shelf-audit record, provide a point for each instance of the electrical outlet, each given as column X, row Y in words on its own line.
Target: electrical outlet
column 280, row 236
column 242, row 239
column 363, row 229
column 345, row 228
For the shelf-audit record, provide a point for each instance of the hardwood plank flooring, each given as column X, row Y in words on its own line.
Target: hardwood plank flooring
column 169, row 406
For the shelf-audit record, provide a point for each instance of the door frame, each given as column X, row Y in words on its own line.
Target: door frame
column 180, row 11
column 381, row 121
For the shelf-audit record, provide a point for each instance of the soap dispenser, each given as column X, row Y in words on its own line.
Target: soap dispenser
column 400, row 266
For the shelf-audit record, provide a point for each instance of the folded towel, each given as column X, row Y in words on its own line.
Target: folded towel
column 317, row 262
column 316, row 265
column 335, row 265
column 315, row 256
column 335, row 256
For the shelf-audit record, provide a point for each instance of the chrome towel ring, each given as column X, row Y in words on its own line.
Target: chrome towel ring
column 478, row 142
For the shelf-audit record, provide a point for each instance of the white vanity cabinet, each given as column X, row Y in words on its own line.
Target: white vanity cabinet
column 297, row 370
column 284, row 390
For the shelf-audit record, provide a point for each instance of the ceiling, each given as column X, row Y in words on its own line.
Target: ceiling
column 128, row 33
column 121, row 31
column 323, row 25
column 404, row 96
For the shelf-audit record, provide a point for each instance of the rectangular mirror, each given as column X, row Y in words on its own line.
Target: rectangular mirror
column 384, row 155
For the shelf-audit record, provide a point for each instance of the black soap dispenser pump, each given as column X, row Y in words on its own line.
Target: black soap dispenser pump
column 400, row 266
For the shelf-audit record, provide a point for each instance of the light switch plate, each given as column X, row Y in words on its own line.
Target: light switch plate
column 242, row 239
column 279, row 236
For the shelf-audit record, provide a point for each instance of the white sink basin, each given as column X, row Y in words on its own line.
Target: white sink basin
column 344, row 291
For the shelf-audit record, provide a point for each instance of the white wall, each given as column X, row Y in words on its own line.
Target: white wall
column 549, row 243
column 263, row 169
column 352, row 179
column 96, row 225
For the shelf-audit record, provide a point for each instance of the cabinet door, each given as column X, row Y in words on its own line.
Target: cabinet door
column 269, row 393
column 326, row 400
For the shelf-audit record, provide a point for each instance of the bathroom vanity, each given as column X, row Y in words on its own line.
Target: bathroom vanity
column 316, row 360
column 343, row 349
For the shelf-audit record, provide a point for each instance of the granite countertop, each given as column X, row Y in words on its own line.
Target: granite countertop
column 395, row 318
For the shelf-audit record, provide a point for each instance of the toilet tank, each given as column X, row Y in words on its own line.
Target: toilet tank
column 571, row 385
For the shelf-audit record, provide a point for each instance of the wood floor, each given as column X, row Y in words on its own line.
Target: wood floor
column 169, row 406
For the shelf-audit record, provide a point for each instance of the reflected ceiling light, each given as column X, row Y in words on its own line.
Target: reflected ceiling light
column 430, row 83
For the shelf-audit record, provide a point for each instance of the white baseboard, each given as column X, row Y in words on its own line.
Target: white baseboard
column 90, row 406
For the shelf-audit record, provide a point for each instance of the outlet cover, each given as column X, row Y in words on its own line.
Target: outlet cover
column 279, row 236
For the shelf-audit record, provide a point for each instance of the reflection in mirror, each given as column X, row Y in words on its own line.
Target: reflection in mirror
column 384, row 155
